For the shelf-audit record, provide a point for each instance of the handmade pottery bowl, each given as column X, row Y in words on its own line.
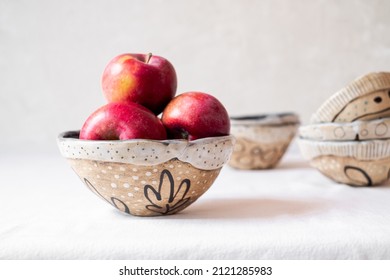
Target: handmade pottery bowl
column 366, row 98
column 147, row 177
column 352, row 131
column 261, row 140
column 349, row 135
column 356, row 163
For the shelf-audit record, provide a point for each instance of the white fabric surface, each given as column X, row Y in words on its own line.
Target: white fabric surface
column 291, row 212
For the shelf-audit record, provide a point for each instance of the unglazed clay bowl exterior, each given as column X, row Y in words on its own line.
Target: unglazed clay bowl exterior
column 147, row 177
column 356, row 163
column 261, row 140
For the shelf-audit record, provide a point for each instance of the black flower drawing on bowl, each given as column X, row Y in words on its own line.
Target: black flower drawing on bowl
column 167, row 198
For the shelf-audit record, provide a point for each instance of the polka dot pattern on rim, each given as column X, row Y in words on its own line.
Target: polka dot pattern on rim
column 206, row 153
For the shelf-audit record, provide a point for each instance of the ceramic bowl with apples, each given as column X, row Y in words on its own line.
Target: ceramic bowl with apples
column 148, row 151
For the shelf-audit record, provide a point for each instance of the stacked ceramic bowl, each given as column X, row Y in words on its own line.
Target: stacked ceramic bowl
column 348, row 138
column 261, row 140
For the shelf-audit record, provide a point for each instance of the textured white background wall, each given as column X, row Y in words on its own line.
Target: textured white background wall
column 255, row 56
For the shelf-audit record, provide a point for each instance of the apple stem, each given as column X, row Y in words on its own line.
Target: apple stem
column 148, row 57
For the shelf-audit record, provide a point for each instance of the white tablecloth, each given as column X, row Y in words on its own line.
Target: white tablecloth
column 291, row 212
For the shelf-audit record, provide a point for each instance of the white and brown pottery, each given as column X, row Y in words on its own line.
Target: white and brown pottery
column 147, row 177
column 353, row 131
column 261, row 140
column 366, row 98
column 356, row 163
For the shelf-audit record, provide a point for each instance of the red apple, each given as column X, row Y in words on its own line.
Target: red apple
column 120, row 121
column 149, row 80
column 195, row 115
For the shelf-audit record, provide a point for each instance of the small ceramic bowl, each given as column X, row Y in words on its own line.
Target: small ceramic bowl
column 352, row 131
column 348, row 139
column 365, row 98
column 356, row 163
column 261, row 140
column 147, row 177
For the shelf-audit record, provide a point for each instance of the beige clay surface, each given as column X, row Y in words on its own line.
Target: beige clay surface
column 351, row 171
column 161, row 189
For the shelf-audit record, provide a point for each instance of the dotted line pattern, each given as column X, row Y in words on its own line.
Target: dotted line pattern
column 207, row 153
column 366, row 84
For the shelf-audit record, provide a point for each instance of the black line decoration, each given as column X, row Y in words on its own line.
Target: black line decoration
column 176, row 197
column 94, row 190
column 371, row 114
column 362, row 116
column 361, row 171
column 125, row 208
column 357, row 137
column 113, row 201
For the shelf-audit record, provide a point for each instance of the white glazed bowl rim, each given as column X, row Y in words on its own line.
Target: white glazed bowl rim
column 284, row 118
column 205, row 153
column 353, row 131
